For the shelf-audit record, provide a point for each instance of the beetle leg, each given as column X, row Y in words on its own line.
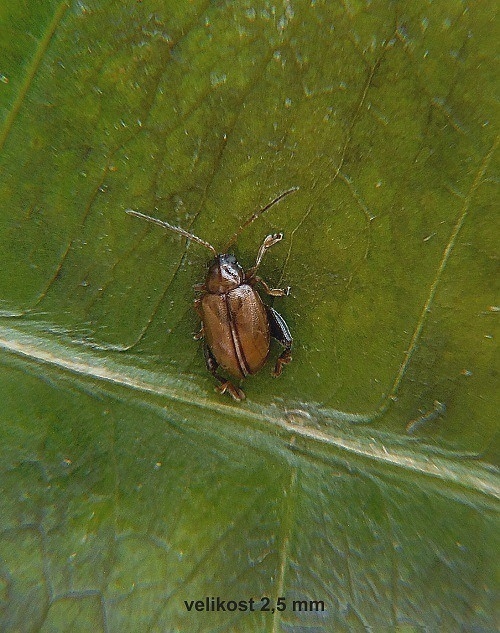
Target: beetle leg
column 269, row 241
column 197, row 307
column 283, row 359
column 201, row 333
column 274, row 292
column 225, row 385
column 279, row 330
column 199, row 287
column 235, row 392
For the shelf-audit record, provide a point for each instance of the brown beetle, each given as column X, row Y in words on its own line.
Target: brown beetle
column 236, row 324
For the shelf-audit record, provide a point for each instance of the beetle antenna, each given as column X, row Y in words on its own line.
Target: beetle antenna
column 170, row 227
column 257, row 214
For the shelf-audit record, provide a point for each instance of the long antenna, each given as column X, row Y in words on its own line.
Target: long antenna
column 170, row 227
column 257, row 214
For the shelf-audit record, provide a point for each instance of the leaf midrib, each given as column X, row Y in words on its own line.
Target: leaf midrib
column 357, row 441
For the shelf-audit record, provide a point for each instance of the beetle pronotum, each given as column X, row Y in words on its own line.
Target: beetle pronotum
column 236, row 324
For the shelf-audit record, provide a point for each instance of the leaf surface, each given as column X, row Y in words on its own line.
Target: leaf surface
column 365, row 476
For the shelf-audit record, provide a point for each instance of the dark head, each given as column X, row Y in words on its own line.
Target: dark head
column 224, row 274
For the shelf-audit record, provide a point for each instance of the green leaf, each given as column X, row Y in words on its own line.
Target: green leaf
column 364, row 478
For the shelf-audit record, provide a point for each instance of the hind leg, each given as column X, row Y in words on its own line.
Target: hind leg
column 212, row 366
column 279, row 331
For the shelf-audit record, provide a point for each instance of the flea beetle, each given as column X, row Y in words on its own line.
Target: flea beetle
column 235, row 324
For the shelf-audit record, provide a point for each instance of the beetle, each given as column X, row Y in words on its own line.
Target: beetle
column 235, row 323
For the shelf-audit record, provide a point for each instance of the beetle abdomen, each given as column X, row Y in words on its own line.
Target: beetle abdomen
column 237, row 330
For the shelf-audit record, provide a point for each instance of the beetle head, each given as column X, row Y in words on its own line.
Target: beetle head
column 224, row 274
